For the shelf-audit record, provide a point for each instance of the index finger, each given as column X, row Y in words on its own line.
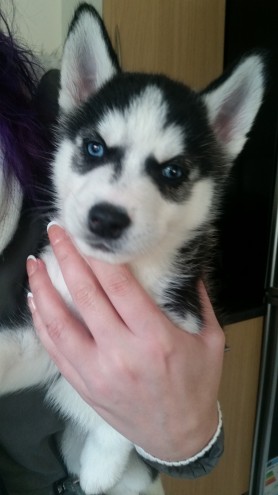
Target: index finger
column 89, row 299
column 131, row 301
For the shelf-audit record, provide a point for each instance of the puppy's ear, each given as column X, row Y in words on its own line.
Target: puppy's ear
column 88, row 59
column 233, row 102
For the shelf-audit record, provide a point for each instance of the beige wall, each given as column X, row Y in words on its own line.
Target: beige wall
column 43, row 24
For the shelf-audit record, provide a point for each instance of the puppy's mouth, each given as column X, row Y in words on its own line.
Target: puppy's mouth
column 99, row 245
column 102, row 249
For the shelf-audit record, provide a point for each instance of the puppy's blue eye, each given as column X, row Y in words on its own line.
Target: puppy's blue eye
column 172, row 172
column 95, row 149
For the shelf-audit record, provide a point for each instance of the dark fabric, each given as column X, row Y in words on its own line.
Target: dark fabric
column 29, row 460
column 27, row 240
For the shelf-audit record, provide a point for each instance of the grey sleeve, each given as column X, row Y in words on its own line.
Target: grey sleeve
column 200, row 467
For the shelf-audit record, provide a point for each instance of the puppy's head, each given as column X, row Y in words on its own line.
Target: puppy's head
column 141, row 159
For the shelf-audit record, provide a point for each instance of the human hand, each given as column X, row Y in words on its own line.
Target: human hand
column 154, row 383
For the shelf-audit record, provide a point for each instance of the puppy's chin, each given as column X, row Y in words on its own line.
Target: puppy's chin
column 101, row 252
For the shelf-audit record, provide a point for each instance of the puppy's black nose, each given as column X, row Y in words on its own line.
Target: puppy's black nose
column 108, row 221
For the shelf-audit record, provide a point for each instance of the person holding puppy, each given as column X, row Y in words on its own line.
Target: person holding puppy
column 152, row 382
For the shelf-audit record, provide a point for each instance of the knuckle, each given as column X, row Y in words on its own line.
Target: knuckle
column 162, row 349
column 63, row 252
column 37, row 323
column 118, row 285
column 217, row 336
column 85, row 296
column 220, row 340
column 55, row 328
column 120, row 365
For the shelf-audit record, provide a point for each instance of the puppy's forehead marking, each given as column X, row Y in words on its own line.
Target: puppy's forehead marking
column 143, row 126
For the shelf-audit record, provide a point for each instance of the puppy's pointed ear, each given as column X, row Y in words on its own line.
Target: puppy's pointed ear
column 88, row 59
column 233, row 102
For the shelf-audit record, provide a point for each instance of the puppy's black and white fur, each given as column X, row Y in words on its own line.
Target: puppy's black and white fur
column 139, row 170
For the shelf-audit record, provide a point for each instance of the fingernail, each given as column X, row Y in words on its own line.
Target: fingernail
column 55, row 232
column 32, row 264
column 51, row 224
column 31, row 302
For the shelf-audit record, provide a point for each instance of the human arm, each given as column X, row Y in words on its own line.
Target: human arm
column 154, row 383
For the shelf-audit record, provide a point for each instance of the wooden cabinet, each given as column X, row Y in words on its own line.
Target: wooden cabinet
column 185, row 40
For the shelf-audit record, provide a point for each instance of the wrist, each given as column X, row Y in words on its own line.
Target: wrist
column 191, row 450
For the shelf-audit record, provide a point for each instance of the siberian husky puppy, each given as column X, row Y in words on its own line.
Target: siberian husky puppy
column 139, row 171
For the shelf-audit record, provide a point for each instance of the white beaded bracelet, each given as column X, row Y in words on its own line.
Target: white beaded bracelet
column 197, row 456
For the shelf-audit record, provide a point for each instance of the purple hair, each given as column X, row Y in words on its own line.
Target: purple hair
column 23, row 141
